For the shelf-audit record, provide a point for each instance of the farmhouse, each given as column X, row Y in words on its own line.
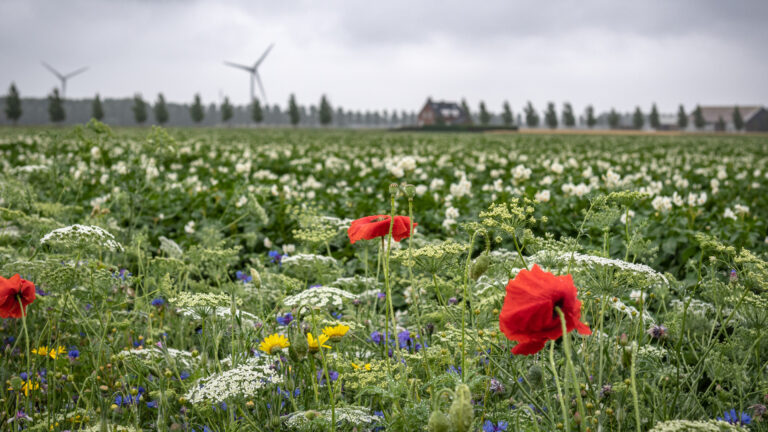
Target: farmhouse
column 442, row 113
column 755, row 117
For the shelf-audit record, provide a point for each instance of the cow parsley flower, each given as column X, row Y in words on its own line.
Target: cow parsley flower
column 79, row 236
column 245, row 380
column 319, row 297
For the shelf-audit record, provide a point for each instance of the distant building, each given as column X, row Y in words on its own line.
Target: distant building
column 442, row 113
column 755, row 117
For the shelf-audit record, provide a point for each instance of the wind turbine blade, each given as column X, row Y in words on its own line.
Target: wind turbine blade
column 263, row 56
column 77, row 72
column 53, row 71
column 239, row 66
column 261, row 87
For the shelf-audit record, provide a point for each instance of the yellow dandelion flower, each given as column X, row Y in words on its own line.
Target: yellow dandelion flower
column 272, row 344
column 366, row 366
column 315, row 344
column 336, row 332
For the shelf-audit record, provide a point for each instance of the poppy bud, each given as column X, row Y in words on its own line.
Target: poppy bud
column 410, row 191
column 535, row 375
column 298, row 348
column 461, row 410
column 438, row 422
column 480, row 266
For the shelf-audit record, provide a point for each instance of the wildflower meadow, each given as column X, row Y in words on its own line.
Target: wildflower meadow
column 276, row 280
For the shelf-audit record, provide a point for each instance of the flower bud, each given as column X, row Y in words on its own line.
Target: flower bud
column 394, row 188
column 461, row 410
column 438, row 422
column 256, row 278
column 480, row 266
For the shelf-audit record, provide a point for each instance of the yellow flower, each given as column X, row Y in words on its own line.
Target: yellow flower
column 45, row 351
column 336, row 332
column 315, row 344
column 272, row 344
column 27, row 386
column 366, row 366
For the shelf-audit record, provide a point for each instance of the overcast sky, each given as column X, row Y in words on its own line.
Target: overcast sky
column 393, row 54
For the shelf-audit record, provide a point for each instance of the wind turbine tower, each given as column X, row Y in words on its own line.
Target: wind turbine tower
column 254, row 71
column 64, row 77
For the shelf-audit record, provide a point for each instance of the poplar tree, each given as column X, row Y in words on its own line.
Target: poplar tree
column 326, row 111
column 227, row 111
column 139, row 109
column 738, row 121
column 485, row 116
column 531, row 116
column 56, row 107
column 293, row 110
column 196, row 111
column 97, row 111
column 698, row 118
column 13, row 104
column 161, row 110
column 682, row 118
column 638, row 119
column 550, row 116
column 569, row 120
column 506, row 116
column 590, row 113
column 653, row 118
column 257, row 114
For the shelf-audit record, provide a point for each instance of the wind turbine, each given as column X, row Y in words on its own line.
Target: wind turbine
column 254, row 71
column 64, row 77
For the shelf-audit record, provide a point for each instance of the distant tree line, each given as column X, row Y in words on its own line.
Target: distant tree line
column 324, row 114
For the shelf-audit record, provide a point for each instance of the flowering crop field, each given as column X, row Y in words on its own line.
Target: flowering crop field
column 271, row 280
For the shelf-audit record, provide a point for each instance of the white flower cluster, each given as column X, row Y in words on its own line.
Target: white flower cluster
column 307, row 259
column 352, row 415
column 243, row 381
column 170, row 247
column 696, row 426
column 590, row 260
column 79, row 235
column 630, row 311
column 398, row 166
column 462, row 188
column 221, row 311
column 196, row 300
column 319, row 297
column 153, row 354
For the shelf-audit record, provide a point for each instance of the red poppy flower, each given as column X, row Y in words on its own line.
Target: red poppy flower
column 371, row 227
column 11, row 290
column 529, row 315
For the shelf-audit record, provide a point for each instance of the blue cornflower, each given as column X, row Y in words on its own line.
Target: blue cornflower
column 124, row 274
column 333, row 375
column 377, row 337
column 152, row 404
column 381, row 296
column 734, row 418
column 23, row 376
column 158, row 302
column 243, row 276
column 285, row 319
column 275, row 256
column 488, row 426
column 73, row 353
column 40, row 292
column 336, row 315
column 184, row 375
column 454, row 370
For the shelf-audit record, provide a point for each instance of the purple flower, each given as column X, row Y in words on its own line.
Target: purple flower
column 734, row 418
column 73, row 353
column 285, row 319
column 377, row 337
column 158, row 302
column 243, row 276
column 496, row 386
column 488, row 426
column 657, row 331
column 275, row 256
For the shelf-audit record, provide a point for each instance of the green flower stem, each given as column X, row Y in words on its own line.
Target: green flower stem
column 560, row 396
column 635, row 402
column 572, row 370
column 26, row 340
column 328, row 382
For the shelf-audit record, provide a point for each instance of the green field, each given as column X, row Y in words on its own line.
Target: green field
column 198, row 243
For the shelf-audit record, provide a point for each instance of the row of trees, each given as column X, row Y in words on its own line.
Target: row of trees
column 325, row 113
column 568, row 119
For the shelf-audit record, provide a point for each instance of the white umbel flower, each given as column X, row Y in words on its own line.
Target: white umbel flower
column 82, row 235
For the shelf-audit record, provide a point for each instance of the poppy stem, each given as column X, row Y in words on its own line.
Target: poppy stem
column 634, row 387
column 560, row 397
column 571, row 369
column 26, row 340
